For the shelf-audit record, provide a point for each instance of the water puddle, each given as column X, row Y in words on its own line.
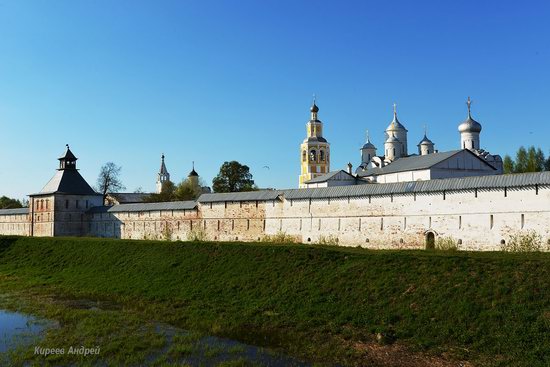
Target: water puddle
column 197, row 350
column 17, row 329
column 181, row 347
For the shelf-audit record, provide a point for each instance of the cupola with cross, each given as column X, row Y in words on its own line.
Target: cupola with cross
column 469, row 130
column 396, row 138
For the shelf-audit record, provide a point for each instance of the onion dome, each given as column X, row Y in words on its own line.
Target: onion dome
column 469, row 125
column 395, row 124
column 425, row 141
column 368, row 144
column 193, row 173
column 314, row 107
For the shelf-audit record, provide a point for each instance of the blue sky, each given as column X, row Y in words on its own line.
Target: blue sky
column 211, row 81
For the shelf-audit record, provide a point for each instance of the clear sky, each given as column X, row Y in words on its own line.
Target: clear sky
column 212, row 81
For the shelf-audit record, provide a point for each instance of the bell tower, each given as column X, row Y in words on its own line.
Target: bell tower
column 314, row 150
column 163, row 175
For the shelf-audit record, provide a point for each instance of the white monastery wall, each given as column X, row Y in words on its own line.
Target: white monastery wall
column 14, row 222
column 477, row 219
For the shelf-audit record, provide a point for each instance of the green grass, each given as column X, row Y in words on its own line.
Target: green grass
column 488, row 308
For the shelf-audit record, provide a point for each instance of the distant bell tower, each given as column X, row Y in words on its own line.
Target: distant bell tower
column 314, row 150
column 163, row 175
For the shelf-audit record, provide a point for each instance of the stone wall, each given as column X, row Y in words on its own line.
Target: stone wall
column 474, row 219
column 15, row 222
column 141, row 224
column 474, row 212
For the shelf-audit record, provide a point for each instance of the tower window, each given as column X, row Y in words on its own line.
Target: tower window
column 313, row 155
column 322, row 155
column 66, row 204
column 304, row 156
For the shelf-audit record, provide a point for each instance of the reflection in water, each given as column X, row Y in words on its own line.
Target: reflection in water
column 18, row 329
column 182, row 347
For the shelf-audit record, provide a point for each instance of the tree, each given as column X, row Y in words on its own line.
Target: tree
column 520, row 164
column 109, row 179
column 8, row 203
column 233, row 177
column 166, row 194
column 527, row 160
column 535, row 160
column 508, row 164
column 187, row 190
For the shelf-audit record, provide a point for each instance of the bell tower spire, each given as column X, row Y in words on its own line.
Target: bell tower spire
column 163, row 175
column 314, row 150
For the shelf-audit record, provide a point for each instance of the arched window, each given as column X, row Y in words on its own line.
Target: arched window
column 322, row 155
column 304, row 156
column 313, row 155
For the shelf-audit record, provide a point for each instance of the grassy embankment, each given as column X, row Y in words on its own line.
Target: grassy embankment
column 324, row 303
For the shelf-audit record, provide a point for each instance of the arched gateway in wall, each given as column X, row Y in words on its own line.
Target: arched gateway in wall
column 430, row 240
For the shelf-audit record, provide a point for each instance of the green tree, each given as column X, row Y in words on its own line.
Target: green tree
column 527, row 160
column 166, row 194
column 540, row 160
column 8, row 203
column 233, row 177
column 187, row 190
column 520, row 164
column 508, row 164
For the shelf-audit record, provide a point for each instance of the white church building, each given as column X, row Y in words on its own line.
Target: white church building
column 396, row 164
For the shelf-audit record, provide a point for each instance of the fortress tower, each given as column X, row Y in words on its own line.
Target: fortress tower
column 59, row 208
column 314, row 150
